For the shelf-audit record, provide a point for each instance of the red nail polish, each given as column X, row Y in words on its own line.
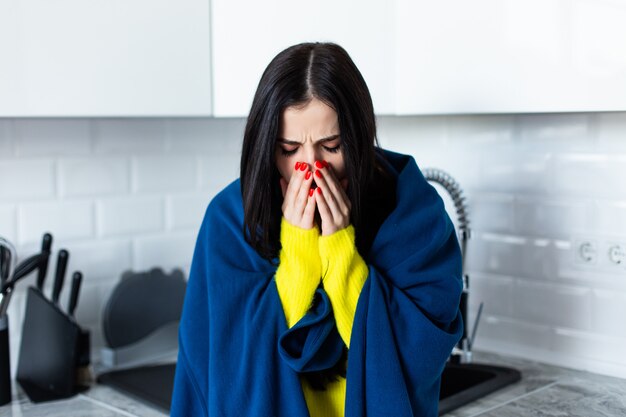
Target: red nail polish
column 325, row 164
column 303, row 167
column 311, row 191
column 297, row 166
column 318, row 174
column 318, row 164
column 319, row 190
column 308, row 175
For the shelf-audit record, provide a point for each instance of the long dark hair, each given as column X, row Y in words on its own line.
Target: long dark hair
column 294, row 77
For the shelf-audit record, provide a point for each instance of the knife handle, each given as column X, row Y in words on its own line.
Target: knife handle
column 60, row 274
column 76, row 280
column 5, row 263
column 46, row 244
column 26, row 267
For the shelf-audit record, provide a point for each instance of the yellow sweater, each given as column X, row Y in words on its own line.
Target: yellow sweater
column 305, row 259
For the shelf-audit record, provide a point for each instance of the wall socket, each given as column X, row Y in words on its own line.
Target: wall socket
column 616, row 253
column 600, row 252
column 585, row 251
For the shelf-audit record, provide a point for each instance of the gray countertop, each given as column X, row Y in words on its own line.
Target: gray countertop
column 544, row 390
column 547, row 390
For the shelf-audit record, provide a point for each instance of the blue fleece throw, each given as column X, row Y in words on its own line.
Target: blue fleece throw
column 237, row 357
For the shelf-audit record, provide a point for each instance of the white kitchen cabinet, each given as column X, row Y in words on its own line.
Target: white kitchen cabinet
column 248, row 34
column 98, row 58
column 496, row 56
column 104, row 58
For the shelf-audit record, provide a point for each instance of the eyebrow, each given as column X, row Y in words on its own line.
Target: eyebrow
column 322, row 140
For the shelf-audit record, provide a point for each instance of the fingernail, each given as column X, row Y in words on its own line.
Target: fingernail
column 311, row 191
column 318, row 164
column 308, row 175
column 319, row 190
column 303, row 167
column 325, row 164
column 318, row 174
column 297, row 166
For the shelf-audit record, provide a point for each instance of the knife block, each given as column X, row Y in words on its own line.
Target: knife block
column 53, row 349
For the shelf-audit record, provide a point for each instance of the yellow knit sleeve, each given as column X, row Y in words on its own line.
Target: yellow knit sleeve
column 343, row 274
column 299, row 270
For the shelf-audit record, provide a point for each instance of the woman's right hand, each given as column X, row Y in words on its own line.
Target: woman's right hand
column 298, row 205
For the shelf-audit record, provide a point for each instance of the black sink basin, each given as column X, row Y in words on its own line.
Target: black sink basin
column 460, row 383
column 466, row 382
column 152, row 384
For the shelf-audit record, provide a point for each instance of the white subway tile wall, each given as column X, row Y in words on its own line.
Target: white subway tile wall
column 6, row 139
column 100, row 260
column 609, row 216
column 130, row 215
column 129, row 136
column 27, row 179
column 164, row 173
column 185, row 211
column 551, row 130
column 125, row 194
column 94, row 177
column 8, row 221
column 610, row 131
column 63, row 218
column 169, row 251
column 50, row 137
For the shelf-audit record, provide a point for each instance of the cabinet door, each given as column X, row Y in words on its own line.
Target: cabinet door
column 104, row 58
column 248, row 34
column 490, row 56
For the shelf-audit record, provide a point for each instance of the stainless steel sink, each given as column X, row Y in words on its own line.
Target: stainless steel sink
column 465, row 382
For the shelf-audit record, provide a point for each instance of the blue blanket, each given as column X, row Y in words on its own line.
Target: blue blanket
column 406, row 323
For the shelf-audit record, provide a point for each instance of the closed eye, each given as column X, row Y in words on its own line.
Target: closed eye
column 287, row 152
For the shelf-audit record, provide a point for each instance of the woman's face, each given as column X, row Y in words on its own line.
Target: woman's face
column 308, row 134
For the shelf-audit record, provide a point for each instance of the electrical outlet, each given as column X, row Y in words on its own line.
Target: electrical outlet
column 603, row 253
column 615, row 253
column 585, row 251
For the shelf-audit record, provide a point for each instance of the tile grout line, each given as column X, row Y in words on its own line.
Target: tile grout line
column 515, row 399
column 105, row 405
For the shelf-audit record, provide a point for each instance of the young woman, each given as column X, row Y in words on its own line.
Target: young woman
column 326, row 280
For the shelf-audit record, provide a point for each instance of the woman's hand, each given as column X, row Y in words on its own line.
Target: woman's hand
column 298, row 204
column 332, row 200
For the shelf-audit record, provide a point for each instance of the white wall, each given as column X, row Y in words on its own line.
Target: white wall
column 130, row 193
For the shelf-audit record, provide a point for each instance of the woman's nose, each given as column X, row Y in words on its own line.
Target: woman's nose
column 311, row 157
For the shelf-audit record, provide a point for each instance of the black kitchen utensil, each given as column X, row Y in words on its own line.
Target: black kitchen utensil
column 59, row 277
column 8, row 279
column 8, row 255
column 76, row 280
column 25, row 268
column 46, row 244
column 5, row 264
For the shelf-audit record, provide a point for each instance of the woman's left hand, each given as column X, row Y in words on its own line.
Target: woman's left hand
column 331, row 198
